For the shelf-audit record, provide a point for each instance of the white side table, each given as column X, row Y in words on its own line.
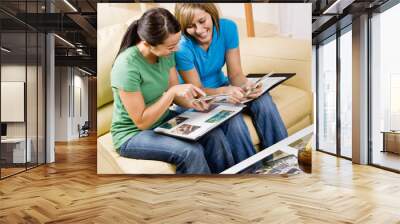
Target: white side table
column 18, row 149
column 283, row 145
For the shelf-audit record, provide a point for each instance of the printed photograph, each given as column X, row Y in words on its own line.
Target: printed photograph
column 219, row 116
column 211, row 108
column 173, row 122
column 280, row 164
column 273, row 38
column 185, row 129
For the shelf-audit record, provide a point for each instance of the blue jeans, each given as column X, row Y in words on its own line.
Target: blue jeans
column 267, row 120
column 235, row 134
column 238, row 136
column 211, row 154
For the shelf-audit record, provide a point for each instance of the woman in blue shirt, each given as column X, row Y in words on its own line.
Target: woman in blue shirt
column 208, row 43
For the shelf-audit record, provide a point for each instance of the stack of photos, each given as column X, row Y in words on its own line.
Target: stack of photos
column 280, row 163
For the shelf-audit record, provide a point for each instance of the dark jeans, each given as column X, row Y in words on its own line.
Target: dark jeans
column 235, row 137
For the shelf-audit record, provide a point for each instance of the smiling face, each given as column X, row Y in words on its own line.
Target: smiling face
column 169, row 45
column 201, row 27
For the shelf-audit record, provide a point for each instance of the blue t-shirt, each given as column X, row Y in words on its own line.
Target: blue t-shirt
column 208, row 63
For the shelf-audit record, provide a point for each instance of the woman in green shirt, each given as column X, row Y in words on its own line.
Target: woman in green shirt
column 144, row 84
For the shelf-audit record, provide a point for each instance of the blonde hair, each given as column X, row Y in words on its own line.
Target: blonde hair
column 184, row 13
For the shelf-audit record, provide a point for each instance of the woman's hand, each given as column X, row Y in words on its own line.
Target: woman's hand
column 252, row 90
column 189, row 92
column 200, row 105
column 237, row 94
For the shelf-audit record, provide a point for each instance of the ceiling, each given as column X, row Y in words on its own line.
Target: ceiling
column 76, row 23
column 330, row 16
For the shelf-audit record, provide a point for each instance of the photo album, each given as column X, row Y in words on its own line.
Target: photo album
column 193, row 124
column 268, row 81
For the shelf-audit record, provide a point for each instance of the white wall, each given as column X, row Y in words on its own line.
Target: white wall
column 15, row 72
column 80, row 88
column 68, row 83
column 61, row 103
column 34, row 124
column 390, row 66
column 82, row 82
column 292, row 20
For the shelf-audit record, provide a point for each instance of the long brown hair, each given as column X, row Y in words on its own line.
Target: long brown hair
column 184, row 13
column 154, row 26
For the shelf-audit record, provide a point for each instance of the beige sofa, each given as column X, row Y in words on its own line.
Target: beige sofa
column 259, row 54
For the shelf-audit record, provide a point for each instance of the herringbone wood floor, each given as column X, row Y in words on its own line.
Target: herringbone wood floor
column 69, row 191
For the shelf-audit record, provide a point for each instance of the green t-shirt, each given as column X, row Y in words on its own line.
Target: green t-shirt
column 131, row 72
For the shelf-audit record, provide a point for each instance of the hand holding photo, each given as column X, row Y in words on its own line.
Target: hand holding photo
column 218, row 98
column 267, row 82
column 258, row 84
column 254, row 91
column 264, row 77
column 200, row 105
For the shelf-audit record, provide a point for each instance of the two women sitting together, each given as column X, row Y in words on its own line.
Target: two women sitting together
column 144, row 79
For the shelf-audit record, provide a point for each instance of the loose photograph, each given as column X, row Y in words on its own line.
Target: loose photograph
column 185, row 129
column 173, row 122
column 210, row 108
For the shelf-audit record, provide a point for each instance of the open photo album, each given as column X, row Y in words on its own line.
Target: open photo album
column 268, row 81
column 193, row 124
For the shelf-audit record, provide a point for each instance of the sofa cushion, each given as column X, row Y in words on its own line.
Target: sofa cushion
column 293, row 103
column 108, row 42
column 104, row 117
column 110, row 162
column 304, row 122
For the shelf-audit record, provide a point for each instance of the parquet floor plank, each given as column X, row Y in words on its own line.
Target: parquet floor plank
column 70, row 191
